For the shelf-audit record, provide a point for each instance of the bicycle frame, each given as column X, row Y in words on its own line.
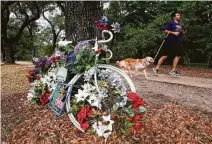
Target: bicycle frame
column 96, row 47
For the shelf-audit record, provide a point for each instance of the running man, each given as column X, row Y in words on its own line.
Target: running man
column 172, row 45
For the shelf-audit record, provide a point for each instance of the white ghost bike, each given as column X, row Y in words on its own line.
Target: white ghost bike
column 100, row 78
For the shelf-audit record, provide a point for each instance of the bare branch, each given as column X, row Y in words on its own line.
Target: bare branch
column 58, row 33
column 51, row 24
column 27, row 21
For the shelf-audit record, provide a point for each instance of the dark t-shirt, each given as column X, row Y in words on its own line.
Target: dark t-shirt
column 172, row 26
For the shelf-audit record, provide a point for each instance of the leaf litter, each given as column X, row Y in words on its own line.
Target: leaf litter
column 26, row 123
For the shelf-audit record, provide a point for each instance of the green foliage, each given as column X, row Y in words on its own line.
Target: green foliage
column 84, row 60
column 46, row 50
column 127, row 125
column 142, row 24
column 67, row 48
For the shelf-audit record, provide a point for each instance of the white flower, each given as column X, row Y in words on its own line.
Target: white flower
column 92, row 99
column 106, row 118
column 87, row 87
column 97, row 104
column 116, row 27
column 30, row 96
column 81, row 96
column 101, row 129
column 105, row 135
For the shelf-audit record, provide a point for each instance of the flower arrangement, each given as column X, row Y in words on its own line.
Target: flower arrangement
column 114, row 109
column 102, row 111
column 103, row 24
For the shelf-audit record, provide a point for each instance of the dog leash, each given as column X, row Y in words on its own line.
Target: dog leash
column 161, row 46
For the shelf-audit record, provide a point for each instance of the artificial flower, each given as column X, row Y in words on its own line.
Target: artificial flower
column 136, row 117
column 100, row 26
column 102, row 129
column 116, row 27
column 36, row 71
column 135, row 105
column 97, row 104
column 37, row 77
column 104, row 21
column 54, row 59
column 44, row 99
column 136, row 100
column 84, row 125
column 81, row 96
column 30, row 96
column 132, row 97
column 137, row 126
column 87, row 91
column 82, row 114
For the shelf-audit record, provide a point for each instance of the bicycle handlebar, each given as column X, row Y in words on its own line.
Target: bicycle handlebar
column 108, row 40
column 111, row 55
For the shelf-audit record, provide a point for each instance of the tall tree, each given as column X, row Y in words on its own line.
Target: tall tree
column 26, row 13
column 80, row 17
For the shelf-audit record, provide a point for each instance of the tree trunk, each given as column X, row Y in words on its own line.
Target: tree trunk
column 9, row 43
column 210, row 61
column 80, row 17
column 9, row 53
column 54, row 43
column 2, row 53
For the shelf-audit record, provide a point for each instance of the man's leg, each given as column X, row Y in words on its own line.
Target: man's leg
column 161, row 60
column 175, row 62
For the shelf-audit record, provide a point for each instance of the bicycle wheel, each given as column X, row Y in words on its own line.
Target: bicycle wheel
column 113, row 86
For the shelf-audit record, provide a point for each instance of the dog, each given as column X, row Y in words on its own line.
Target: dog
column 135, row 64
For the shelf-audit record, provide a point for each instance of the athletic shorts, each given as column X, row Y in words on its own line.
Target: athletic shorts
column 171, row 48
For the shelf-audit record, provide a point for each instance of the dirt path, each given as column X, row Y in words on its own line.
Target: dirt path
column 156, row 92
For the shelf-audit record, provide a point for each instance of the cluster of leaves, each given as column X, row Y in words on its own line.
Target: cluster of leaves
column 85, row 59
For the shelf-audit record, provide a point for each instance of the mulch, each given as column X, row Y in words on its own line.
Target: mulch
column 26, row 123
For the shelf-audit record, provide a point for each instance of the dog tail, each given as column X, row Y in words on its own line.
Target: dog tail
column 118, row 63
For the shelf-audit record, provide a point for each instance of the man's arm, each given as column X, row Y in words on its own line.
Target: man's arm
column 167, row 28
column 171, row 32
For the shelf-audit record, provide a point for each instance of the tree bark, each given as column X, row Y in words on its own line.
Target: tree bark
column 80, row 17
column 9, row 53
column 210, row 61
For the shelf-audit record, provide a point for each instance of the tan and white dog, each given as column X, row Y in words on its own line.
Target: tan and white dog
column 135, row 64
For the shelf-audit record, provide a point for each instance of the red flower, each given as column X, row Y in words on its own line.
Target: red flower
column 44, row 99
column 140, row 102
column 132, row 97
column 37, row 77
column 85, row 125
column 82, row 114
column 53, row 59
column 136, row 117
column 30, row 76
column 30, row 72
column 137, row 126
column 135, row 106
column 100, row 26
column 29, row 79
column 136, row 100
column 89, row 111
